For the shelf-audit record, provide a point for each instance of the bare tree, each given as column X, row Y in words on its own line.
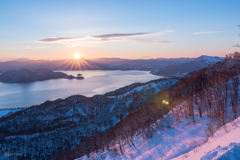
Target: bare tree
column 199, row 101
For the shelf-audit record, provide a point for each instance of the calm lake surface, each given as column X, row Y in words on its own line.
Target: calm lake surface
column 95, row 82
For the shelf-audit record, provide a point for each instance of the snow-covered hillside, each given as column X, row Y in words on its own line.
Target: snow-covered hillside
column 225, row 144
column 76, row 116
column 165, row 144
column 207, row 100
column 180, row 140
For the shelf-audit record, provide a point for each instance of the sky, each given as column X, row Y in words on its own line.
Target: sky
column 118, row 28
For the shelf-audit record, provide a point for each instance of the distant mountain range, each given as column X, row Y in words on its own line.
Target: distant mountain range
column 159, row 66
column 182, row 69
column 24, row 75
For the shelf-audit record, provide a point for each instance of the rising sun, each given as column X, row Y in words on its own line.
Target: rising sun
column 77, row 56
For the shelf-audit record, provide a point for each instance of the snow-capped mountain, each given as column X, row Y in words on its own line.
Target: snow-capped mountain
column 209, row 59
column 182, row 69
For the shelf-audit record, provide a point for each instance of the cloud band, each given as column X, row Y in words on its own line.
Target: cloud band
column 103, row 37
column 206, row 32
column 57, row 39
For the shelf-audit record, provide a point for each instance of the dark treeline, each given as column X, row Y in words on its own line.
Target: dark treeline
column 139, row 122
column 55, row 126
column 211, row 89
column 208, row 91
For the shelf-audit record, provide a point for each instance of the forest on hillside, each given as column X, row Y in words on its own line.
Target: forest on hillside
column 213, row 90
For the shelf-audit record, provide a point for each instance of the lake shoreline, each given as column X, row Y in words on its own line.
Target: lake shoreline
column 97, row 82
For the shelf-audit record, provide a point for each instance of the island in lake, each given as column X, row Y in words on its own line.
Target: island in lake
column 24, row 75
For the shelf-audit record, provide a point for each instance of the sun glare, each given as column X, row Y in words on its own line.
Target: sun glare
column 77, row 56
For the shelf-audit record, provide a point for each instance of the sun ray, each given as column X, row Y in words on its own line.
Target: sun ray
column 67, row 64
column 77, row 64
column 72, row 66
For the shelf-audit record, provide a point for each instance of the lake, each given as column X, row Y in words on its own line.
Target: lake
column 95, row 82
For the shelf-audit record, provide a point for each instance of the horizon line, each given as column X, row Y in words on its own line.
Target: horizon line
column 28, row 59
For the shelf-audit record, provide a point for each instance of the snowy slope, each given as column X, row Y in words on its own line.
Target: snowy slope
column 183, row 137
column 223, row 145
column 166, row 143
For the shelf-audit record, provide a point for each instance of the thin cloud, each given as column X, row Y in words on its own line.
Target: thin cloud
column 107, row 37
column 152, row 40
column 103, row 37
column 58, row 39
column 164, row 32
column 206, row 32
column 117, row 35
column 237, row 45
